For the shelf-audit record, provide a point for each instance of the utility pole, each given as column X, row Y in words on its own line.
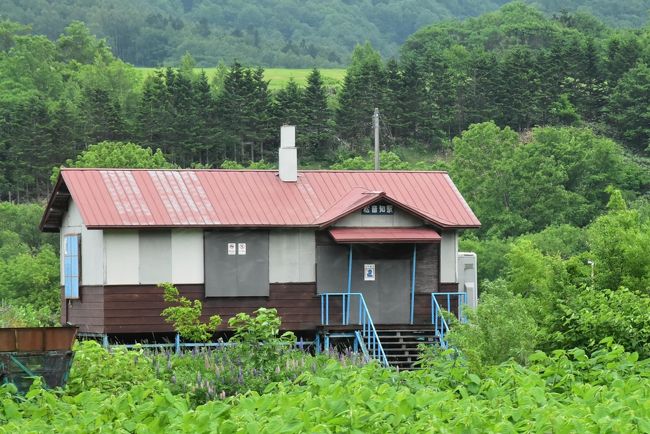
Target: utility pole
column 375, row 124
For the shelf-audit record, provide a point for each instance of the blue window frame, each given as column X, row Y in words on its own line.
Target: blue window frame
column 71, row 266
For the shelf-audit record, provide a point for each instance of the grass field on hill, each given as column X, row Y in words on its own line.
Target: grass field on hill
column 278, row 77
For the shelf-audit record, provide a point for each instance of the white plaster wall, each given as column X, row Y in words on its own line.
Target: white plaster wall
column 292, row 256
column 448, row 257
column 121, row 252
column 187, row 256
column 92, row 256
column 155, row 256
column 92, row 247
column 398, row 219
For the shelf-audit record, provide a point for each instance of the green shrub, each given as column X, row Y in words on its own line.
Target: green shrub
column 257, row 337
column 32, row 278
column 591, row 315
column 500, row 329
column 26, row 315
column 565, row 391
column 619, row 242
column 186, row 316
column 113, row 371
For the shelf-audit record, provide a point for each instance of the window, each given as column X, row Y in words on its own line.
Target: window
column 71, row 268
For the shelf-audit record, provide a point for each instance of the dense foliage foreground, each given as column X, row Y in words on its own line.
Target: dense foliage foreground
column 567, row 391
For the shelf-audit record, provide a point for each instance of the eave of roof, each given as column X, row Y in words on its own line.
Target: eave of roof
column 384, row 235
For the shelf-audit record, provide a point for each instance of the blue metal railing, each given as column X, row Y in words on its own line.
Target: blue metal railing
column 367, row 331
column 178, row 346
column 449, row 297
column 438, row 320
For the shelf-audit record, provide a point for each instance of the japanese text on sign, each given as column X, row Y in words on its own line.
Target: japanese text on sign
column 378, row 209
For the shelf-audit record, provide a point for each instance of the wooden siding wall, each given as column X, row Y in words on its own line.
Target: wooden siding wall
column 422, row 304
column 427, row 268
column 448, row 287
column 87, row 312
column 137, row 308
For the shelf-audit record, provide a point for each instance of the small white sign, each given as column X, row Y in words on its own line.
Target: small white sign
column 232, row 249
column 368, row 271
column 241, row 248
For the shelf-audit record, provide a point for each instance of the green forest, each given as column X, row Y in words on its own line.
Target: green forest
column 273, row 33
column 539, row 112
column 515, row 67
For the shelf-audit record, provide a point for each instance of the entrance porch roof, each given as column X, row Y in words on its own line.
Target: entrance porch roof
column 371, row 235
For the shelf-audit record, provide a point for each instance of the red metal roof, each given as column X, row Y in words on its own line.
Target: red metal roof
column 355, row 199
column 385, row 235
column 252, row 198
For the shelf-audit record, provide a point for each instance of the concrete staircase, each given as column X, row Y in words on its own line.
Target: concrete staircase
column 401, row 344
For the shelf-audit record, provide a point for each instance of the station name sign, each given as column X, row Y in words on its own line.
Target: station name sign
column 378, row 209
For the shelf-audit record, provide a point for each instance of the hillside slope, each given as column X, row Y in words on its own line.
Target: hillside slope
column 284, row 33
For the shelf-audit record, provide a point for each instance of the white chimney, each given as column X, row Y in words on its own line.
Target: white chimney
column 288, row 158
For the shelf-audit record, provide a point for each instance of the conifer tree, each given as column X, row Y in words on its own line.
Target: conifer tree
column 363, row 89
column 102, row 116
column 179, row 88
column 289, row 107
column 153, row 112
column 206, row 144
column 232, row 109
column 316, row 136
column 260, row 114
column 245, row 108
column 629, row 110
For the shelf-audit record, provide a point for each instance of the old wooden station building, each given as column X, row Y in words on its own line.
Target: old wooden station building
column 379, row 243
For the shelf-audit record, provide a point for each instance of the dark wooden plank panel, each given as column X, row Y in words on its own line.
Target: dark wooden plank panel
column 422, row 312
column 448, row 287
column 138, row 298
column 96, row 319
column 156, row 319
column 304, row 325
column 136, row 309
column 86, row 322
column 87, row 305
column 127, row 328
column 218, row 304
column 91, row 328
column 427, row 274
column 128, row 313
column 88, row 311
column 148, row 289
column 125, row 309
column 92, row 290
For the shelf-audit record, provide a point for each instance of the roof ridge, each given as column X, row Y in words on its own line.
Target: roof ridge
column 143, row 169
